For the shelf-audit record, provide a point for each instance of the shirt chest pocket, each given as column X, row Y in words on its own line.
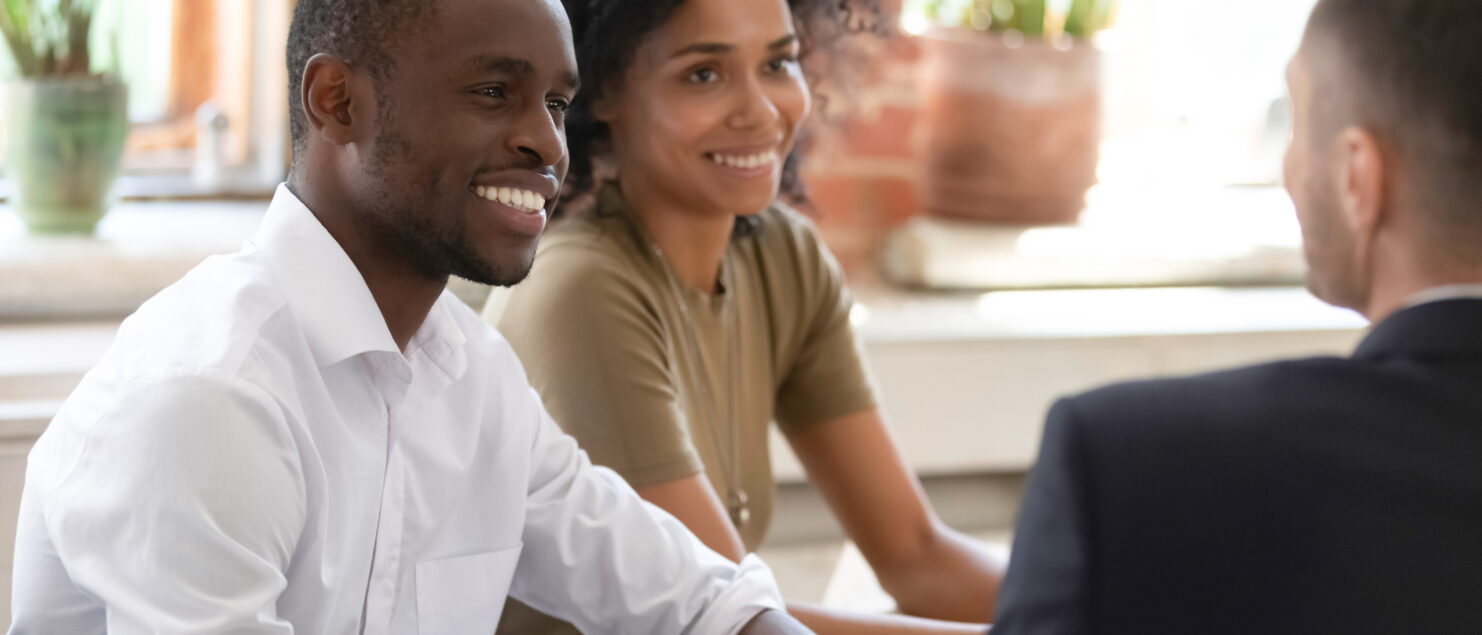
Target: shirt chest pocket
column 464, row 594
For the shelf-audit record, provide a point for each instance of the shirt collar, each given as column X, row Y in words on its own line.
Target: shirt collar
column 325, row 290
column 1446, row 292
column 441, row 339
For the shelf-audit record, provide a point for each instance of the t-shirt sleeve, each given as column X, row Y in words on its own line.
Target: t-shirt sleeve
column 596, row 350
column 827, row 378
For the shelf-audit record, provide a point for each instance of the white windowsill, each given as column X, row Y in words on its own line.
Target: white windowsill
column 966, row 377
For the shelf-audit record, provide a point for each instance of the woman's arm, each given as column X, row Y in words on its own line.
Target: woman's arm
column 928, row 568
column 826, row 621
column 693, row 501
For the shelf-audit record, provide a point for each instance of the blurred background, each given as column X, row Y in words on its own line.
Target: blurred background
column 1030, row 198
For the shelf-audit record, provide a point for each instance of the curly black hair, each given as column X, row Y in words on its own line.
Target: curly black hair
column 361, row 32
column 608, row 33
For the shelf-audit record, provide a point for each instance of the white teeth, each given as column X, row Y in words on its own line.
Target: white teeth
column 746, row 162
column 519, row 199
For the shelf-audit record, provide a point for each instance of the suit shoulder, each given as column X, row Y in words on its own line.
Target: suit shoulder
column 1236, row 394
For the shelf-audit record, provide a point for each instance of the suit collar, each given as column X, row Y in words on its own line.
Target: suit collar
column 1443, row 328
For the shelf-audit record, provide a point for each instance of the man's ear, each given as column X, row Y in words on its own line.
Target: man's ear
column 334, row 99
column 1363, row 180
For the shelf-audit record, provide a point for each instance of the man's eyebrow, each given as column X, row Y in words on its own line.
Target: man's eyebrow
column 502, row 64
column 783, row 42
column 519, row 67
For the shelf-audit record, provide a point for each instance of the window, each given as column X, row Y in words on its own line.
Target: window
column 207, row 93
column 1193, row 90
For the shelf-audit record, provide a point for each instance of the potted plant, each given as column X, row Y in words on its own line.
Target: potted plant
column 1012, row 108
column 65, row 124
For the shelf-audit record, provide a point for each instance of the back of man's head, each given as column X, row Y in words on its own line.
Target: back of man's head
column 1410, row 72
column 360, row 32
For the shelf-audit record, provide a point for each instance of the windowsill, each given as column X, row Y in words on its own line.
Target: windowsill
column 143, row 246
column 969, row 372
column 180, row 186
column 140, row 248
column 1128, row 236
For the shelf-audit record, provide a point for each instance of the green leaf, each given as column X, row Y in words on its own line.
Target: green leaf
column 1077, row 20
column 1005, row 14
column 1030, row 16
column 15, row 24
column 50, row 38
column 1102, row 16
column 79, row 22
column 1086, row 17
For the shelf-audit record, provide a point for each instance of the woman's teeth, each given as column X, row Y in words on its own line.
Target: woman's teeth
column 523, row 200
column 745, row 162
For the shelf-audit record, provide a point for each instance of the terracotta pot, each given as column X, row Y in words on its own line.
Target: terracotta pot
column 1012, row 132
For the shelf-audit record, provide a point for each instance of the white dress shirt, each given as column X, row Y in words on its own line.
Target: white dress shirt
column 1446, row 292
column 255, row 455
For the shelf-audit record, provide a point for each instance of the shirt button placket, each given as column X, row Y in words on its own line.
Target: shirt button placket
column 386, row 567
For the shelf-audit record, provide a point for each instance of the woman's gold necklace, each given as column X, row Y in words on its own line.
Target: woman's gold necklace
column 738, row 505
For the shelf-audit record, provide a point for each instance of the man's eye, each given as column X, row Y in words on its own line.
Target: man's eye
column 496, row 92
column 558, row 105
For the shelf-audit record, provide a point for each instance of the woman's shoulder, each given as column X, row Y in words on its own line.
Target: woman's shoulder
column 782, row 229
column 586, row 269
column 586, row 243
column 787, row 218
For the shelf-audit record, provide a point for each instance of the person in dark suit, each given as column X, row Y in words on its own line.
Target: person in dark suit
column 1329, row 495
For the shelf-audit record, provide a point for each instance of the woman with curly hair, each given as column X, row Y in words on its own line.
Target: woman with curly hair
column 678, row 308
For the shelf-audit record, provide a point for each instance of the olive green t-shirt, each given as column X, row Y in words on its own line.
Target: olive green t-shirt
column 650, row 375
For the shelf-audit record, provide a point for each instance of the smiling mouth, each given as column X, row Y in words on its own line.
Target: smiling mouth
column 745, row 161
column 523, row 200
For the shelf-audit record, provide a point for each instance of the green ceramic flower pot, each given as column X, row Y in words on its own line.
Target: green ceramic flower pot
column 65, row 143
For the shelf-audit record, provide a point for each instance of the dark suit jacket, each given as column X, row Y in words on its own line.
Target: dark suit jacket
column 1314, row 496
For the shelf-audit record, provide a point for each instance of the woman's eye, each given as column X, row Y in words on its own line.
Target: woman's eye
column 558, row 105
column 781, row 64
column 703, row 76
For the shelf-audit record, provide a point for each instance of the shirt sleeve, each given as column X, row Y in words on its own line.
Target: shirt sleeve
column 598, row 556
column 597, row 351
column 183, row 509
column 827, row 378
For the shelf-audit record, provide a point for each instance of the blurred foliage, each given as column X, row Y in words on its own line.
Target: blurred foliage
column 1049, row 19
column 48, row 37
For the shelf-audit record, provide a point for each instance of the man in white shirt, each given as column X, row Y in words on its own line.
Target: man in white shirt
column 1322, row 495
column 312, row 435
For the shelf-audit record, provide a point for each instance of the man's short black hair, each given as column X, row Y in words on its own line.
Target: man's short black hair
column 1410, row 71
column 361, row 32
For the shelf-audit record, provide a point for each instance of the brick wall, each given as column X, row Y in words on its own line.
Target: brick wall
column 863, row 169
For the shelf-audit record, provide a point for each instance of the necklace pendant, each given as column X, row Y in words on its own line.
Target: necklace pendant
column 739, row 507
